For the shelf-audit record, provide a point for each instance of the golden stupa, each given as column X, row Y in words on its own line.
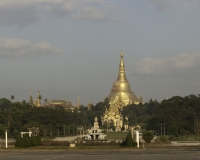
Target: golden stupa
column 121, row 90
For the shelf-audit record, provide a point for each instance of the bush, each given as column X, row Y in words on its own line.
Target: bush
column 48, row 142
column 33, row 141
column 19, row 142
column 39, row 140
column 147, row 136
column 129, row 141
column 26, row 139
column 164, row 139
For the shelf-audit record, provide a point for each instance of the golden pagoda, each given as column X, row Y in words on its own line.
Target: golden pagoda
column 121, row 91
column 37, row 102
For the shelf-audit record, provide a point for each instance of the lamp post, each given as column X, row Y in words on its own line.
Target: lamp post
column 6, row 137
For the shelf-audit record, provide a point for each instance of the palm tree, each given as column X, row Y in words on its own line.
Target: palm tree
column 45, row 100
column 12, row 97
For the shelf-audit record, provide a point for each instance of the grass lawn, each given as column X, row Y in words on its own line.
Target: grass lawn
column 116, row 135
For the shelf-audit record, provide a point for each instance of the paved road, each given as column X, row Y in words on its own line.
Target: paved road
column 183, row 153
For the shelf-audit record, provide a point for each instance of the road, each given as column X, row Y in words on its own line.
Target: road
column 175, row 153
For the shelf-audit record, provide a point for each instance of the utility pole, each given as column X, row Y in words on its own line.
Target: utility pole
column 164, row 128
column 161, row 128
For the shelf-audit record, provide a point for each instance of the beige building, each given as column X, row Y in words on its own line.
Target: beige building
column 53, row 103
column 121, row 90
column 113, row 115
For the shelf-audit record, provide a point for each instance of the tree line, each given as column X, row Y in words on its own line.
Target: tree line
column 174, row 116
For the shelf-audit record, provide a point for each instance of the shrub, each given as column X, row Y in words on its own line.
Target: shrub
column 38, row 140
column 33, row 141
column 129, row 141
column 26, row 139
column 164, row 139
column 19, row 142
column 147, row 136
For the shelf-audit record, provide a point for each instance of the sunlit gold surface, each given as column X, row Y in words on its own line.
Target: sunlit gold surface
column 121, row 89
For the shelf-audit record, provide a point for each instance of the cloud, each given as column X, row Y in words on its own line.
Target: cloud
column 168, row 5
column 26, row 12
column 16, row 48
column 185, row 60
column 81, row 49
column 156, row 66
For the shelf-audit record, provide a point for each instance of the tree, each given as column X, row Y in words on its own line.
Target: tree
column 129, row 140
column 2, row 130
column 147, row 136
column 197, row 125
column 12, row 97
column 45, row 101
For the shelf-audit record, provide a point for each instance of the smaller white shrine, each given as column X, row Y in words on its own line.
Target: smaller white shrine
column 95, row 133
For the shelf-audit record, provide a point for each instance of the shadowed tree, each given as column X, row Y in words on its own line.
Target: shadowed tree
column 12, row 97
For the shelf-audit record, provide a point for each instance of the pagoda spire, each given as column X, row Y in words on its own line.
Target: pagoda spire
column 121, row 73
column 121, row 90
column 38, row 100
column 78, row 103
column 141, row 99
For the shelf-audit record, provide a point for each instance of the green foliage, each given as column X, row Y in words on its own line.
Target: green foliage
column 2, row 130
column 26, row 140
column 19, row 142
column 147, row 136
column 38, row 140
column 164, row 139
column 12, row 97
column 172, row 130
column 116, row 135
column 177, row 111
column 129, row 141
column 33, row 141
column 139, row 114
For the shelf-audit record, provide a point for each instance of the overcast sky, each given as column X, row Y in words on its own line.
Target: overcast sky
column 71, row 48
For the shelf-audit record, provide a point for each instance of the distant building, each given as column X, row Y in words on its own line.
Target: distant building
column 59, row 103
column 89, row 106
column 113, row 115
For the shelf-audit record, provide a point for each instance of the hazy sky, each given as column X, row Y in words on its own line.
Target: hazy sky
column 71, row 48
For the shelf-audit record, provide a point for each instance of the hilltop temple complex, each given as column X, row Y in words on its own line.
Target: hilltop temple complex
column 121, row 95
column 121, row 90
column 53, row 103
